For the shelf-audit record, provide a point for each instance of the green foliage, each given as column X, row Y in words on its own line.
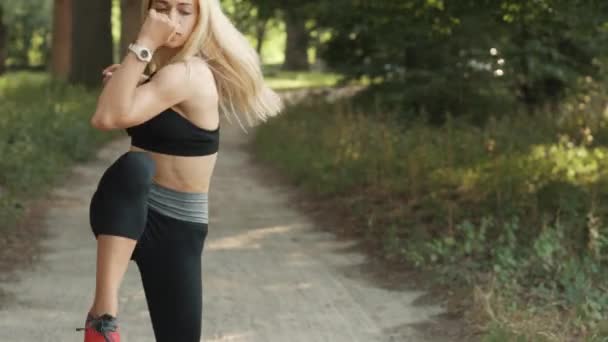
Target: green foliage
column 466, row 57
column 328, row 153
column 44, row 129
column 29, row 28
column 517, row 199
column 247, row 15
column 502, row 334
column 281, row 80
column 263, row 22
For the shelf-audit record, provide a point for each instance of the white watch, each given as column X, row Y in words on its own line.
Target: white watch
column 143, row 53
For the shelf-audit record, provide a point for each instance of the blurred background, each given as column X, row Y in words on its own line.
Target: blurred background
column 465, row 141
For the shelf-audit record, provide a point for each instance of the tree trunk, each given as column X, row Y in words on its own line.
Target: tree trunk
column 296, row 47
column 260, row 35
column 130, row 18
column 91, row 41
column 62, row 38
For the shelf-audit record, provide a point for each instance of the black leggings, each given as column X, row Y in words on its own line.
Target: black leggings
column 168, row 251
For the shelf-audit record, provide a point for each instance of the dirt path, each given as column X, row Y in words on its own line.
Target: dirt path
column 268, row 273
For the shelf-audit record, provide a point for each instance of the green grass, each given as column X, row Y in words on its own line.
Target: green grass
column 282, row 80
column 45, row 129
column 519, row 200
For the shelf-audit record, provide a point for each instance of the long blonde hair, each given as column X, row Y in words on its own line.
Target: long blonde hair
column 234, row 62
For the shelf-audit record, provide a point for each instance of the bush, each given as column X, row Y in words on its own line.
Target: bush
column 518, row 199
column 44, row 128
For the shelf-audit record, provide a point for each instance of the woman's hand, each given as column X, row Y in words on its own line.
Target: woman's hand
column 107, row 74
column 157, row 29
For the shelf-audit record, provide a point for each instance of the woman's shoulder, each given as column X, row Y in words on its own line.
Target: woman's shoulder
column 191, row 72
column 193, row 69
column 200, row 68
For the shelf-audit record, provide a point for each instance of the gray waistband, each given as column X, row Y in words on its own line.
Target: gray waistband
column 185, row 206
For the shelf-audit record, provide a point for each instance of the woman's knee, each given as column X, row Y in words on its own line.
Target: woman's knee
column 119, row 217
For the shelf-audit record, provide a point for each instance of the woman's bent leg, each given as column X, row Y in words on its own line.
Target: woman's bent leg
column 113, row 254
column 117, row 215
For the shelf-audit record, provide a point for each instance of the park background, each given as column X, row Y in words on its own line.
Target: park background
column 472, row 155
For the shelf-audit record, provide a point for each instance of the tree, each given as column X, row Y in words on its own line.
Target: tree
column 62, row 38
column 298, row 38
column 250, row 18
column 255, row 15
column 92, row 47
column 467, row 57
column 551, row 44
column 130, row 18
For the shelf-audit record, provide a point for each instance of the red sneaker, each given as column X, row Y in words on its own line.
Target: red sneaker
column 100, row 329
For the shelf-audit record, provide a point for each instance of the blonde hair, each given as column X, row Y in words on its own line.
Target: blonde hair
column 233, row 61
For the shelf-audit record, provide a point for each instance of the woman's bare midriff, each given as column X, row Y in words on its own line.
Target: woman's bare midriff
column 186, row 174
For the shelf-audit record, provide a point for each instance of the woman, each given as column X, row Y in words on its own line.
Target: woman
column 151, row 204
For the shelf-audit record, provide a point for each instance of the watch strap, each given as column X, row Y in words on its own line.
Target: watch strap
column 143, row 53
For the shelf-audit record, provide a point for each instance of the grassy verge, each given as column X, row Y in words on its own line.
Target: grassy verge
column 512, row 211
column 44, row 129
column 283, row 80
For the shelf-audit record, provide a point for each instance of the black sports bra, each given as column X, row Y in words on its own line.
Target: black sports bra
column 171, row 133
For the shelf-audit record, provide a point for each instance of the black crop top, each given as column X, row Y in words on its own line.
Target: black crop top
column 171, row 133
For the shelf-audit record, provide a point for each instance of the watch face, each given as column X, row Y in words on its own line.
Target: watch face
column 145, row 53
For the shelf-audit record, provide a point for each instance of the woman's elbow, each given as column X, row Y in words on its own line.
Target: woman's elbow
column 102, row 122
column 98, row 123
